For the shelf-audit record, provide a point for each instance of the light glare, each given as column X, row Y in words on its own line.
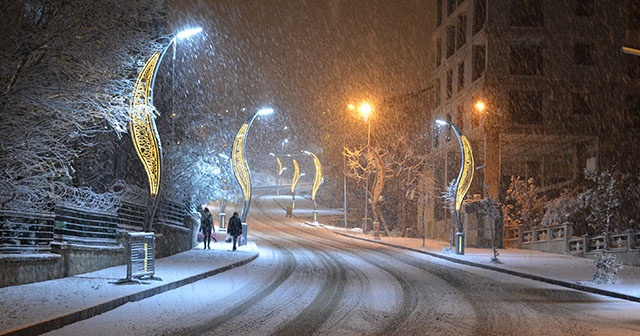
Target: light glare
column 188, row 32
column 265, row 111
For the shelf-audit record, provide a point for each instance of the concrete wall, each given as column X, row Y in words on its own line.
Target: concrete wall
column 69, row 260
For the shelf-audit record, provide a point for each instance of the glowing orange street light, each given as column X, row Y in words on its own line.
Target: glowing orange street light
column 365, row 109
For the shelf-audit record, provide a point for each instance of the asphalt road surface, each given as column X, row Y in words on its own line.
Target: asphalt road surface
column 311, row 281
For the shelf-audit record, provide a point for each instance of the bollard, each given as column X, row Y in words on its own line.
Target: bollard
column 245, row 228
column 223, row 218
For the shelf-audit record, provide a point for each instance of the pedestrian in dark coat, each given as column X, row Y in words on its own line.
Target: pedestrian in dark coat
column 206, row 226
column 235, row 228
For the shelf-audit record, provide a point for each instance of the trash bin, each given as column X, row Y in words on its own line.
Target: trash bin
column 245, row 228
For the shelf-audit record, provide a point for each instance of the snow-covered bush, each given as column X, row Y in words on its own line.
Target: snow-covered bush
column 607, row 268
column 522, row 207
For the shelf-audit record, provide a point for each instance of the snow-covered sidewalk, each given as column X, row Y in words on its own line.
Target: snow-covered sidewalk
column 36, row 308
column 564, row 270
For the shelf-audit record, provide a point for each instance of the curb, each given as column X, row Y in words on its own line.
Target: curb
column 506, row 271
column 89, row 312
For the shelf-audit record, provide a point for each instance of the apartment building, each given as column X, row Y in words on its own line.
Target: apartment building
column 559, row 95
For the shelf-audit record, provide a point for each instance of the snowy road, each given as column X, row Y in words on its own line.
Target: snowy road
column 310, row 281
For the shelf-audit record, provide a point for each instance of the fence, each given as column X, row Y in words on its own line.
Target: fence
column 559, row 239
column 22, row 232
column 28, row 232
column 629, row 240
column 84, row 227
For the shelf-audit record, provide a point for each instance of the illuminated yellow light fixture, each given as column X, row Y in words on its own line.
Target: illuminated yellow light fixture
column 463, row 182
column 296, row 176
column 317, row 179
column 239, row 161
column 142, row 125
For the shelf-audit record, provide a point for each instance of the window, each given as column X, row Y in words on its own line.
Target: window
column 438, row 52
column 460, row 118
column 461, row 31
column 448, row 127
column 526, row 13
column 451, row 6
column 439, row 13
column 582, row 54
column 449, row 84
column 451, row 40
column 526, row 59
column 479, row 62
column 581, row 104
column 460, row 76
column 479, row 15
column 438, row 92
column 525, row 107
column 584, row 8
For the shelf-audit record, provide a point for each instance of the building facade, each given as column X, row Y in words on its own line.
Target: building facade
column 558, row 95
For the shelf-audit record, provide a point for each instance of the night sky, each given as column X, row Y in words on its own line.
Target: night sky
column 304, row 57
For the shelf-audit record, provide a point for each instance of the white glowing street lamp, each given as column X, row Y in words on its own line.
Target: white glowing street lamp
column 463, row 182
column 142, row 126
column 239, row 161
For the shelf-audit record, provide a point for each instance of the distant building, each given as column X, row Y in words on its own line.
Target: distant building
column 560, row 96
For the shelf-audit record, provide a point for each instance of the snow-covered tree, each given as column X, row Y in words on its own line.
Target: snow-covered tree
column 566, row 208
column 610, row 202
column 67, row 72
column 522, row 206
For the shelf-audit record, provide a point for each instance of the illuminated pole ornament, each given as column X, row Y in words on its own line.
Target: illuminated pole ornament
column 239, row 162
column 317, row 180
column 144, row 133
column 294, row 182
column 142, row 126
column 463, row 182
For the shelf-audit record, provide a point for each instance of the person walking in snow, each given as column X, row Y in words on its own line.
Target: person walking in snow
column 206, row 227
column 235, row 228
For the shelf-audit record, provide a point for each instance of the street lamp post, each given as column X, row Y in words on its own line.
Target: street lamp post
column 365, row 109
column 317, row 179
column 294, row 181
column 239, row 161
column 142, row 126
column 278, row 172
column 463, row 182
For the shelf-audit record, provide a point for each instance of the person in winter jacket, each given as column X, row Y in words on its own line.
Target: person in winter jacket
column 235, row 228
column 206, row 226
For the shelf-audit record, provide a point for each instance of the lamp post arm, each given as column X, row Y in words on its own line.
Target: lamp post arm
column 155, row 71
